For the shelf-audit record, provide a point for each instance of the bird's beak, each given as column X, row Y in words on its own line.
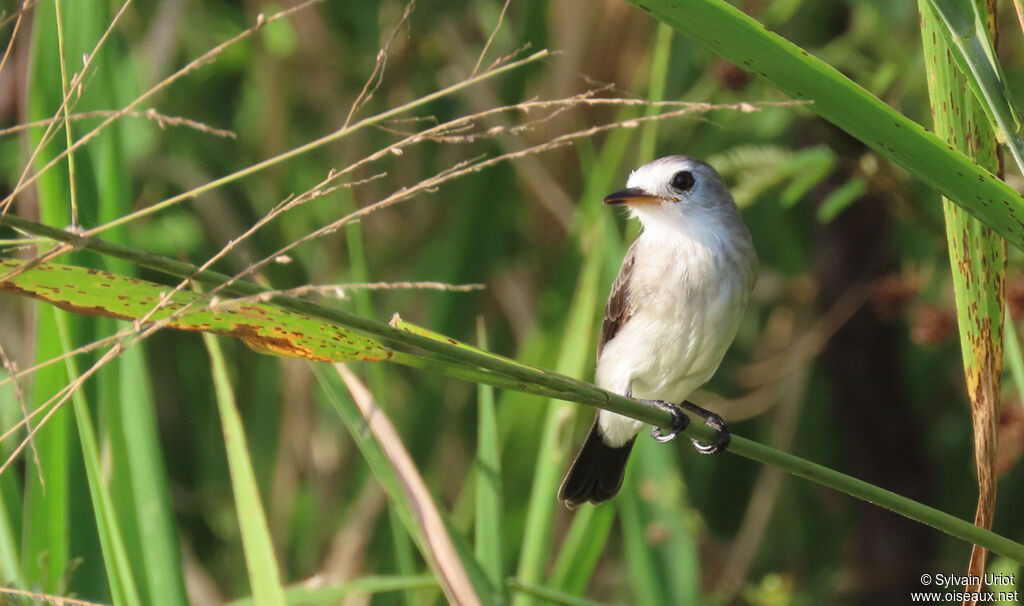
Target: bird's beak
column 633, row 196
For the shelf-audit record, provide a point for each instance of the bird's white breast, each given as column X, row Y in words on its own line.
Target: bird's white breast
column 687, row 297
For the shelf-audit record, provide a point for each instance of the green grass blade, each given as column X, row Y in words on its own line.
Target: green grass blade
column 150, row 499
column 435, row 543
column 661, row 53
column 582, row 548
column 970, row 45
column 554, row 448
column 260, row 560
column 641, row 567
column 401, row 542
column 115, row 556
column 1014, row 356
column 10, row 527
column 47, row 515
column 548, row 595
column 658, row 481
column 402, row 545
column 542, row 382
column 488, row 482
column 730, row 33
column 977, row 257
column 303, row 595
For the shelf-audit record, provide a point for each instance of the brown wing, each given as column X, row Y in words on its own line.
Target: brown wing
column 618, row 310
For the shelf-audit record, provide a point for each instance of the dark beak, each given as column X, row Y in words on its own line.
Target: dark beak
column 633, row 195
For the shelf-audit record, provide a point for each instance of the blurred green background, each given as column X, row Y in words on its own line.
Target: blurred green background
column 848, row 355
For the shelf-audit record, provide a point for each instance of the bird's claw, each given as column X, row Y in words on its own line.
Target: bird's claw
column 679, row 421
column 715, row 422
column 721, row 441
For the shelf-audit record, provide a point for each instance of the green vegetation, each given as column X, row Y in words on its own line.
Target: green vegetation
column 454, row 178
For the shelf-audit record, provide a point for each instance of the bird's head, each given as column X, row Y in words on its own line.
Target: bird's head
column 675, row 191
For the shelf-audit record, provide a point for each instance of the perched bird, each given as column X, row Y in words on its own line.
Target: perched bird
column 673, row 311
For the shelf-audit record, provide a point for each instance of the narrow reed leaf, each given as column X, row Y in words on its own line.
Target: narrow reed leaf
column 261, row 563
column 10, row 557
column 977, row 257
column 665, row 513
column 1014, row 357
column 963, row 28
column 330, row 595
column 582, row 548
column 48, row 516
column 728, row 32
column 460, row 576
column 548, row 595
column 553, row 450
column 641, row 567
column 159, row 557
column 115, row 556
column 454, row 360
column 487, row 524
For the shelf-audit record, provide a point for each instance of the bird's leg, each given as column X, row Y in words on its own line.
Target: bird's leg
column 715, row 422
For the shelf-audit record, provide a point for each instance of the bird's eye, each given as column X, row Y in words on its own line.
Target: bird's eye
column 683, row 180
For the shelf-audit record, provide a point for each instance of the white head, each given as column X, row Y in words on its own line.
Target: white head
column 676, row 192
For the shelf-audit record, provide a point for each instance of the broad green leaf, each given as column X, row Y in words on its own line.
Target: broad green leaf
column 264, row 327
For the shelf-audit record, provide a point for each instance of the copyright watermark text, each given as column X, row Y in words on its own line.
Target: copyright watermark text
column 951, row 586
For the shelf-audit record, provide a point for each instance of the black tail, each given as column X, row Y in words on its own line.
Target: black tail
column 596, row 474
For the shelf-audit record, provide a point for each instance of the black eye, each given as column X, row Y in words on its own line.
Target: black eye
column 683, row 180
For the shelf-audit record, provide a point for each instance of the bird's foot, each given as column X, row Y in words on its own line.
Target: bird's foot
column 715, row 422
column 679, row 420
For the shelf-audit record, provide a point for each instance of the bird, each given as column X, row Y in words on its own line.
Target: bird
column 673, row 312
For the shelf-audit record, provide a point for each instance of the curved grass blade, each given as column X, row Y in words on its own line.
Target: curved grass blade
column 732, row 34
column 263, row 327
column 493, row 369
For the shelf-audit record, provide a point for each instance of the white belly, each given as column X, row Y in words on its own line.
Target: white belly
column 678, row 333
